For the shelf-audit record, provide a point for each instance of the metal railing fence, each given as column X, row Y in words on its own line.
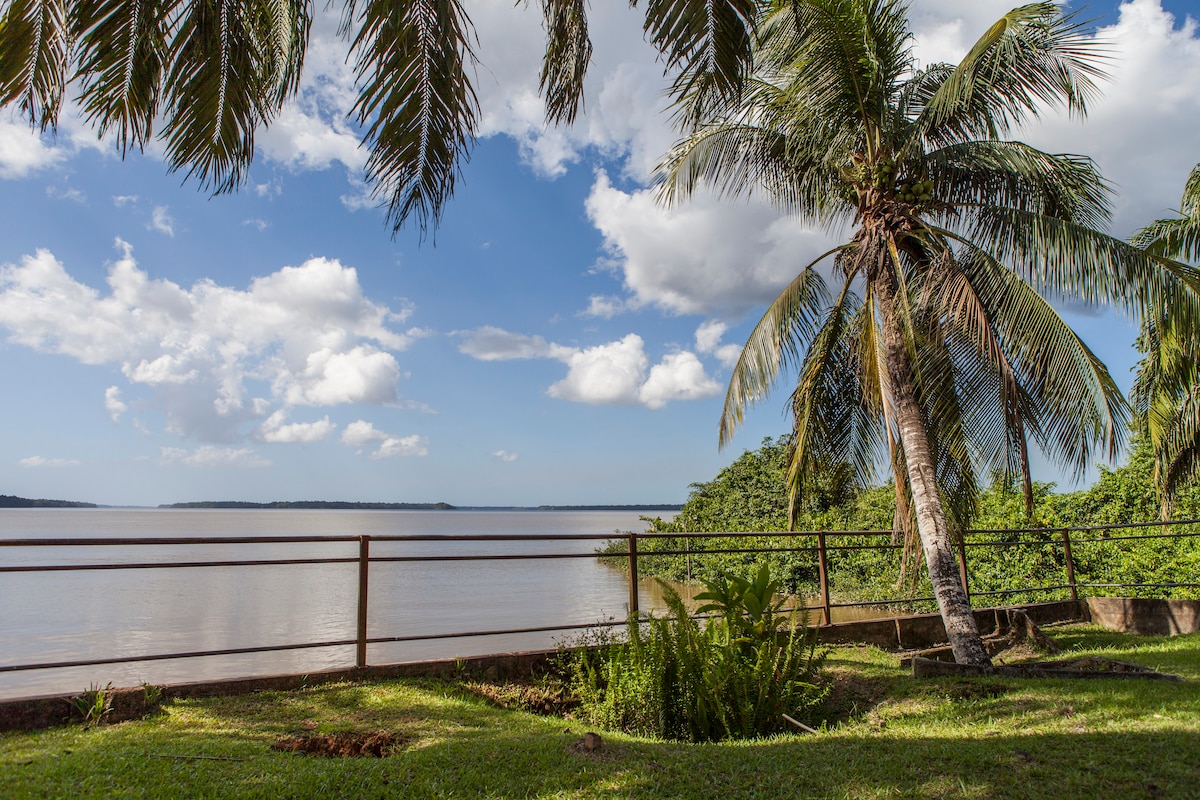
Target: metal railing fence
column 824, row 544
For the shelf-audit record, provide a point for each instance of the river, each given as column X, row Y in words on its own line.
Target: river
column 49, row 617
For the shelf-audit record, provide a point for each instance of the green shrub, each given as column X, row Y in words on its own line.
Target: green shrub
column 732, row 675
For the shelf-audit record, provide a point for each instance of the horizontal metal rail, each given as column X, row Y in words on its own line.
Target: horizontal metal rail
column 1058, row 537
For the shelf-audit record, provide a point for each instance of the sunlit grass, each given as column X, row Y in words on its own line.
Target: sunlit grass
column 888, row 735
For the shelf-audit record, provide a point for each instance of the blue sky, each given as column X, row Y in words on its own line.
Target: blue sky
column 560, row 339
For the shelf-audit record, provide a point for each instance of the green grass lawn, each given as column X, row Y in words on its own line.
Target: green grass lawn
column 892, row 736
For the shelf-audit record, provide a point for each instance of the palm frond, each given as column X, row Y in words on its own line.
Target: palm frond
column 1034, row 56
column 568, row 52
column 123, row 52
column 235, row 63
column 776, row 342
column 707, row 44
column 984, row 174
column 417, row 103
column 35, row 50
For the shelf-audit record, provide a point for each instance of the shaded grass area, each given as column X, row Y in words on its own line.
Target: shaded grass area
column 887, row 735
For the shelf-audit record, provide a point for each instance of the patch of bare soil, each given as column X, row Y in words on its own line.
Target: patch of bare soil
column 544, row 698
column 851, row 695
column 376, row 744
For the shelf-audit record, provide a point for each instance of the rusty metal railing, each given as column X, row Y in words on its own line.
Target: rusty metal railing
column 824, row 543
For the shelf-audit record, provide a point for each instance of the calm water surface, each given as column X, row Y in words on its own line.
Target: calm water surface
column 65, row 616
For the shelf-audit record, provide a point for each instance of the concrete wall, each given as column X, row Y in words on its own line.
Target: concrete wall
column 1146, row 616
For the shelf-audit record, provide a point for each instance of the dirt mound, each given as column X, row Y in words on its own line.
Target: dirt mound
column 350, row 744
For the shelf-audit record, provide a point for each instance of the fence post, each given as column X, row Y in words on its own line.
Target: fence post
column 962, row 565
column 823, row 575
column 633, row 575
column 364, row 567
column 1066, row 537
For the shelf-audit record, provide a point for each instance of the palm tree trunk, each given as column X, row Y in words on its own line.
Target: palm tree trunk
column 936, row 541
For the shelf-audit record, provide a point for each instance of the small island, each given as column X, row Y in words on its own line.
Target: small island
column 10, row 501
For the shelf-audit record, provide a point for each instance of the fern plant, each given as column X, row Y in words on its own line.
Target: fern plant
column 733, row 675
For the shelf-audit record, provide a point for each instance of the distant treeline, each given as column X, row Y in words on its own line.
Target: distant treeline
column 9, row 501
column 317, row 504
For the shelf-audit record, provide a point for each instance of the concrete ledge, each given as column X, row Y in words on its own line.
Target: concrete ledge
column 1149, row 617
column 899, row 633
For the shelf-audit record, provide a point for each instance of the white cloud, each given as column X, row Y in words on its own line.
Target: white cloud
column 113, row 403
column 274, row 430
column 605, row 307
column 40, row 461
column 616, row 373
column 679, row 376
column 122, row 200
column 360, row 375
column 23, row 151
column 360, row 433
column 214, row 358
column 209, row 456
column 505, row 456
column 161, row 221
column 707, row 256
column 261, row 224
column 708, row 340
column 607, row 374
column 402, row 447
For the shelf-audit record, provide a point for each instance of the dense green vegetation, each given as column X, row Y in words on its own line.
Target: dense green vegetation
column 750, row 495
column 888, row 735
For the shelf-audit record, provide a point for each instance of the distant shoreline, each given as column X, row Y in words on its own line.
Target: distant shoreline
column 337, row 505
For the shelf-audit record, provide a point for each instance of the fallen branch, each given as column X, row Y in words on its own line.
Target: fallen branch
column 800, row 725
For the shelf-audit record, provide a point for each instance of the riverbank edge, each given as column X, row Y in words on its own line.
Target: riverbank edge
column 901, row 633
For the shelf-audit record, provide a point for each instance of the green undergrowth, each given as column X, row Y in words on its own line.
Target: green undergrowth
column 883, row 734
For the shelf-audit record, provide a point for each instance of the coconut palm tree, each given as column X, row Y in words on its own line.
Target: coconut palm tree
column 1166, row 393
column 925, row 340
column 213, row 72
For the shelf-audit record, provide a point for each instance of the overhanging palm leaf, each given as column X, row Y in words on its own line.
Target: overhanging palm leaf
column 215, row 71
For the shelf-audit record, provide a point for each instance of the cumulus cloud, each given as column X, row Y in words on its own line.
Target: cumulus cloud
column 40, row 461
column 708, row 340
column 361, row 433
column 215, row 358
column 615, row 373
column 680, row 376
column 276, row 430
column 122, row 200
column 402, row 447
column 23, row 151
column 707, row 256
column 210, row 456
column 505, row 456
